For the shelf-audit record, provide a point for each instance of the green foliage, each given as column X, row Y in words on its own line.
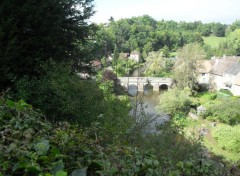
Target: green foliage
column 125, row 66
column 205, row 97
column 35, row 31
column 232, row 44
column 185, row 68
column 235, row 25
column 175, row 101
column 165, row 51
column 224, row 110
column 146, row 35
column 228, row 137
column 31, row 145
column 226, row 92
column 157, row 65
column 60, row 94
column 219, row 29
column 115, row 57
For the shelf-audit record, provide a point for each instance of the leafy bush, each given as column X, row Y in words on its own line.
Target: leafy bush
column 60, row 94
column 224, row 110
column 34, row 146
column 175, row 101
column 226, row 92
column 31, row 145
column 228, row 137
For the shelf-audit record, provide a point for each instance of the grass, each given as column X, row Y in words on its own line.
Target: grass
column 213, row 41
column 205, row 97
column 173, row 54
column 215, row 150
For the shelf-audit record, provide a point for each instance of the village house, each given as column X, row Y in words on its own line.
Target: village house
column 135, row 55
column 96, row 65
column 221, row 73
column 124, row 55
column 235, row 89
column 204, row 68
column 230, row 75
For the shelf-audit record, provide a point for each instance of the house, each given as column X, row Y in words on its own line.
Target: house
column 96, row 65
column 224, row 74
column 124, row 55
column 204, row 68
column 220, row 73
column 135, row 55
column 230, row 75
column 110, row 58
column 218, row 78
column 235, row 89
column 83, row 75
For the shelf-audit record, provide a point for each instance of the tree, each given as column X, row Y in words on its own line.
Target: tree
column 185, row 69
column 111, row 19
column 235, row 25
column 165, row 51
column 115, row 57
column 175, row 101
column 157, row 65
column 218, row 29
column 32, row 32
column 232, row 44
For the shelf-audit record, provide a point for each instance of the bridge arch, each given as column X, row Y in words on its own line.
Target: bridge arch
column 163, row 87
column 132, row 89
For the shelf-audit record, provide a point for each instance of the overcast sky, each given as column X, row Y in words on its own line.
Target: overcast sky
column 224, row 11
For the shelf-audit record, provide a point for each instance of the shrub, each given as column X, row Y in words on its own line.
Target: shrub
column 31, row 145
column 226, row 92
column 228, row 137
column 224, row 110
column 175, row 101
column 60, row 94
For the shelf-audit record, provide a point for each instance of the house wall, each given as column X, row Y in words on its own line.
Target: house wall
column 216, row 82
column 228, row 81
column 235, row 89
column 135, row 57
column 203, row 78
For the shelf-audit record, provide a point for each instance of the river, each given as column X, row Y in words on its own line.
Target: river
column 145, row 106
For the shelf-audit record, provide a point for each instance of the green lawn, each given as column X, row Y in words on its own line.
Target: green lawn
column 213, row 41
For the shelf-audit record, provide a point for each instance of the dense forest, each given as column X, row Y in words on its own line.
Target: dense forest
column 145, row 35
column 53, row 123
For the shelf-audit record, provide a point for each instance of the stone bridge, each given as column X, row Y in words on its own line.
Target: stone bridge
column 141, row 82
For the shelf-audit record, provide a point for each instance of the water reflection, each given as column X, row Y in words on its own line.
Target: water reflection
column 132, row 90
column 145, row 110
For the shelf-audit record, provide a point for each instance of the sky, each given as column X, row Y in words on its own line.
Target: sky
column 224, row 11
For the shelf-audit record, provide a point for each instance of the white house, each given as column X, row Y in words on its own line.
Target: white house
column 220, row 66
column 230, row 74
column 135, row 55
column 235, row 89
column 204, row 68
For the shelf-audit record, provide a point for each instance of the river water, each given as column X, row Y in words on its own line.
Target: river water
column 145, row 110
column 145, row 106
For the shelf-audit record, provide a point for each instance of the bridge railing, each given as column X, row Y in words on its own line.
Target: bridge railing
column 145, row 79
